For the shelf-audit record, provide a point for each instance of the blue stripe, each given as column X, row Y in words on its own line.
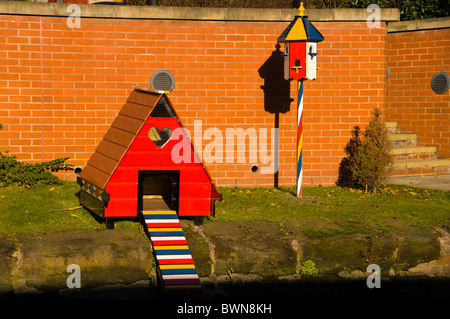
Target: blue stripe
column 300, row 93
column 178, row 271
column 163, row 216
column 299, row 165
column 173, row 252
column 312, row 33
column 166, row 233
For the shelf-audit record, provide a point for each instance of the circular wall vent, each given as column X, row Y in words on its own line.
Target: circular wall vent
column 162, row 80
column 440, row 82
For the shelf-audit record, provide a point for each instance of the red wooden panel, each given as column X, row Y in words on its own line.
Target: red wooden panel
column 297, row 52
column 188, row 189
column 121, row 207
column 194, row 206
column 124, row 175
column 116, row 189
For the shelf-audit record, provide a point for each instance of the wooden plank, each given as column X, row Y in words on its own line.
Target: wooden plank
column 166, row 233
column 175, row 261
column 170, row 240
column 128, row 124
column 137, row 111
column 164, row 229
column 144, row 98
column 179, row 276
column 119, row 136
column 172, row 251
column 156, row 224
column 111, row 149
column 103, row 163
column 95, row 176
column 159, row 247
column 178, row 271
column 177, row 266
column 155, row 204
column 181, row 281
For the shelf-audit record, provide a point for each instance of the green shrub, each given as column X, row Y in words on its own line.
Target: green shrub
column 309, row 269
column 13, row 171
column 373, row 156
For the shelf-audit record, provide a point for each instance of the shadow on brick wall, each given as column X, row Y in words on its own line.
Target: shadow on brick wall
column 277, row 98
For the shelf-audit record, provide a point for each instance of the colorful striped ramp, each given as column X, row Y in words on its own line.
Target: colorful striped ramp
column 176, row 268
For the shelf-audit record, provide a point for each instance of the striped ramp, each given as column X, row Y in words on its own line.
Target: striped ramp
column 176, row 267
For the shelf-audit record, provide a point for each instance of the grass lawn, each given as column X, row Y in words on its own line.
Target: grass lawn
column 423, row 208
column 32, row 210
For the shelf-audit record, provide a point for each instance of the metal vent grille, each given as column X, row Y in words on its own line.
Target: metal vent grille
column 162, row 80
column 440, row 83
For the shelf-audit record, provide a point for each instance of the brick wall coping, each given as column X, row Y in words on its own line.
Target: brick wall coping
column 190, row 13
column 417, row 25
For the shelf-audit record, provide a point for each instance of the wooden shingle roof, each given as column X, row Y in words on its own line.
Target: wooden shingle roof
column 119, row 137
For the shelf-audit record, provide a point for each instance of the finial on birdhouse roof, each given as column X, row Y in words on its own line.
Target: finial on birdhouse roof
column 301, row 9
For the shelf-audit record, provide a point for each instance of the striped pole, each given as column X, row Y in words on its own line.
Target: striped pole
column 299, row 138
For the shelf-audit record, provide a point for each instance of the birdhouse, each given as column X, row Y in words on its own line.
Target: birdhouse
column 300, row 48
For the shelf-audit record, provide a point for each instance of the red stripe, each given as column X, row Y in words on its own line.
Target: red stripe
column 163, row 225
column 175, row 261
column 181, row 281
column 300, row 128
column 168, row 242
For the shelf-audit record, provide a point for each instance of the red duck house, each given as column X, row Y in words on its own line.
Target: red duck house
column 146, row 162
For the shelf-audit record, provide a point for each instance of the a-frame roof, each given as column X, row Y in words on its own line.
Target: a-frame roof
column 119, row 137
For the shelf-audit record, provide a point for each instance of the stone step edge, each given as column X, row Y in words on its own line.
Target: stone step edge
column 390, row 124
column 409, row 150
column 421, row 163
column 402, row 137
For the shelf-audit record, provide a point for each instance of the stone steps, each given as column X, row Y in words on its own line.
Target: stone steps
column 413, row 159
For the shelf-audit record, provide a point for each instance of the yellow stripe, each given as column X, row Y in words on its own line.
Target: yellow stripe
column 152, row 196
column 297, row 32
column 300, row 145
column 172, row 247
column 159, row 212
column 184, row 266
column 165, row 229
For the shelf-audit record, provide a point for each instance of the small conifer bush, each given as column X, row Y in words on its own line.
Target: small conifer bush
column 373, row 158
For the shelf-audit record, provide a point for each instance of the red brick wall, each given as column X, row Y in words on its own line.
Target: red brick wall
column 62, row 88
column 413, row 59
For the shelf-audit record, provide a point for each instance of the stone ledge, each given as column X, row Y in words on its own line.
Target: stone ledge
column 190, row 13
column 241, row 252
column 419, row 25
